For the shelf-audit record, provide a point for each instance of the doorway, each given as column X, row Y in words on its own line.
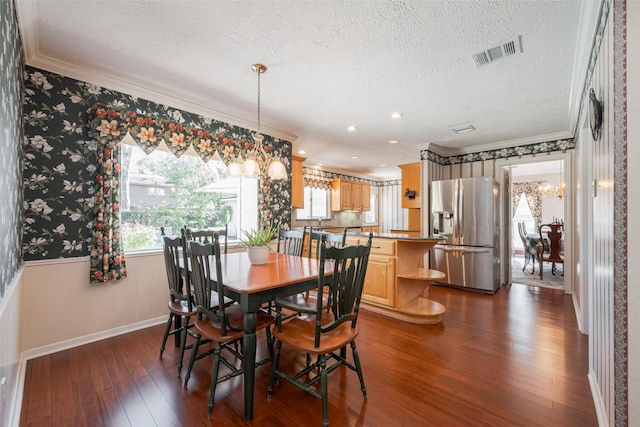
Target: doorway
column 535, row 191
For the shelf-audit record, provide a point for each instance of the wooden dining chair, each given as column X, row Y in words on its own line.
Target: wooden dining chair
column 291, row 242
column 222, row 325
column 206, row 236
column 331, row 240
column 321, row 333
column 181, row 307
column 551, row 252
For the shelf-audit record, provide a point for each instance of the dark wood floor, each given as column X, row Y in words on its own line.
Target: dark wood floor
column 512, row 359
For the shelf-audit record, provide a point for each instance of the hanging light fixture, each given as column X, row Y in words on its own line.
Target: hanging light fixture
column 258, row 161
column 551, row 192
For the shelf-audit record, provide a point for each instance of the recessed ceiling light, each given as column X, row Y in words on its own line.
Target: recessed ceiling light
column 463, row 129
column 393, row 141
column 354, row 157
column 382, row 165
column 396, row 115
column 351, row 128
column 318, row 165
column 302, row 152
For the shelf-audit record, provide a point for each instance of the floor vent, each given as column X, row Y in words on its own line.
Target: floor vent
column 508, row 48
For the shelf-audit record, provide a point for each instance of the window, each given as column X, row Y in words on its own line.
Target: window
column 316, row 204
column 371, row 216
column 160, row 190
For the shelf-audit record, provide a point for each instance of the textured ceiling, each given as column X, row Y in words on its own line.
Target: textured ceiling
column 333, row 64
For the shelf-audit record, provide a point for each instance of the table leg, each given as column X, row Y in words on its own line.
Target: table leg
column 249, row 350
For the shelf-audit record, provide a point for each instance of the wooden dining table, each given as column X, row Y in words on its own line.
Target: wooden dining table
column 253, row 285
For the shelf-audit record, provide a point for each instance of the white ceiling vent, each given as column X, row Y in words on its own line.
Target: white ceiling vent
column 508, row 48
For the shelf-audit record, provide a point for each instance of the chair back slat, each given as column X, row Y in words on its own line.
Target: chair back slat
column 291, row 242
column 205, row 260
column 332, row 240
column 349, row 266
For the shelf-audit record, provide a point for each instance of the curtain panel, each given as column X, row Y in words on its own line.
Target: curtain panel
column 531, row 190
column 107, row 126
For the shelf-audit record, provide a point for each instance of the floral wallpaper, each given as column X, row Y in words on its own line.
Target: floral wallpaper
column 502, row 153
column 11, row 69
column 60, row 159
column 317, row 178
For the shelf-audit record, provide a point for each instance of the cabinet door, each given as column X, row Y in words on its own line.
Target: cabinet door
column 346, row 196
column 366, row 197
column 411, row 181
column 379, row 284
column 356, row 196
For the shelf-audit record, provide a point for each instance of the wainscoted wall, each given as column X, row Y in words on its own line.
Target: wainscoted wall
column 11, row 135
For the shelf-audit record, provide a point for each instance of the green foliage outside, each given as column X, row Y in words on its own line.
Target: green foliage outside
column 187, row 207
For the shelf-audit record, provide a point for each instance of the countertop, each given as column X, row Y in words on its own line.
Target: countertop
column 396, row 236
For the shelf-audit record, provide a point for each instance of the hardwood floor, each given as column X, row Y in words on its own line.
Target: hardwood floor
column 512, row 359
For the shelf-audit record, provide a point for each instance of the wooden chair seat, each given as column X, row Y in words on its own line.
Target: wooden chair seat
column 210, row 329
column 299, row 333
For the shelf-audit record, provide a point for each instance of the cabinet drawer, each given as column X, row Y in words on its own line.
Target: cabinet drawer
column 383, row 247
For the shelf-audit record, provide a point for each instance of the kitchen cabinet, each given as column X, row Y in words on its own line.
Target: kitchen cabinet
column 340, row 195
column 370, row 229
column 297, row 182
column 411, row 181
column 350, row 196
column 397, row 284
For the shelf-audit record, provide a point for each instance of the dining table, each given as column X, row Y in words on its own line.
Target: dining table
column 252, row 286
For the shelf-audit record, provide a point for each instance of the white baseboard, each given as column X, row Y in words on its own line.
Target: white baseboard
column 601, row 412
column 87, row 339
column 16, row 405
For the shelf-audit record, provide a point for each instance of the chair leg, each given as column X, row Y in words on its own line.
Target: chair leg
column 323, row 387
column 192, row 359
column 214, row 377
column 269, row 342
column 166, row 333
column 183, row 342
column 356, row 359
column 274, row 368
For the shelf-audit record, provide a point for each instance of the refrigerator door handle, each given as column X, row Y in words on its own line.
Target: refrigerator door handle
column 464, row 249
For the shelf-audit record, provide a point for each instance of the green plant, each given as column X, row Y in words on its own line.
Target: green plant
column 259, row 236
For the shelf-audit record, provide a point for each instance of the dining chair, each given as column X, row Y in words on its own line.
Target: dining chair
column 291, row 242
column 324, row 333
column 551, row 251
column 206, row 236
column 181, row 307
column 222, row 325
column 529, row 250
column 331, row 239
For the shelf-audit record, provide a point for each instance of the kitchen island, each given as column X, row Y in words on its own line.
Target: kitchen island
column 397, row 282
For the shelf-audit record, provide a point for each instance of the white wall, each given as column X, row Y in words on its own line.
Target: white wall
column 10, row 351
column 61, row 310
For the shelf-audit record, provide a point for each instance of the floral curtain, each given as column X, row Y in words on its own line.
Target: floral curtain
column 531, row 190
column 108, row 126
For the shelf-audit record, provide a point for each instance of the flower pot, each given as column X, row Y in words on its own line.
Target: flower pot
column 258, row 254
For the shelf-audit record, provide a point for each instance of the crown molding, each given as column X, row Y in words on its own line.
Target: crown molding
column 448, row 151
column 143, row 87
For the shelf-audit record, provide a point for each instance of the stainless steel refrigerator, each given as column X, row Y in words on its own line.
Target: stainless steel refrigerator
column 465, row 212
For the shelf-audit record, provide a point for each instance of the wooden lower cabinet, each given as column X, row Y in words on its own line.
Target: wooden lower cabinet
column 380, row 283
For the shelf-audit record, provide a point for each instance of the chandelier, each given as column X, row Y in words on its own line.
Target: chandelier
column 550, row 191
column 258, row 161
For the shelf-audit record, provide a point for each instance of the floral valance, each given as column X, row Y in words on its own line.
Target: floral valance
column 110, row 125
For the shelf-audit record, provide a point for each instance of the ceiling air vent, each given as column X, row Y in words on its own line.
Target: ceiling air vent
column 508, row 48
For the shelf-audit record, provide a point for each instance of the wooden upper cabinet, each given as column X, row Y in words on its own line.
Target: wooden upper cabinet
column 350, row 196
column 297, row 182
column 411, row 181
column 366, row 197
column 340, row 195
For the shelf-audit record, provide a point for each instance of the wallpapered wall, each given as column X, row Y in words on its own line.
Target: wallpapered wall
column 60, row 161
column 11, row 69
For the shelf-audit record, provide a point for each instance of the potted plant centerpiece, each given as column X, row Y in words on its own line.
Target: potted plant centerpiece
column 256, row 241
